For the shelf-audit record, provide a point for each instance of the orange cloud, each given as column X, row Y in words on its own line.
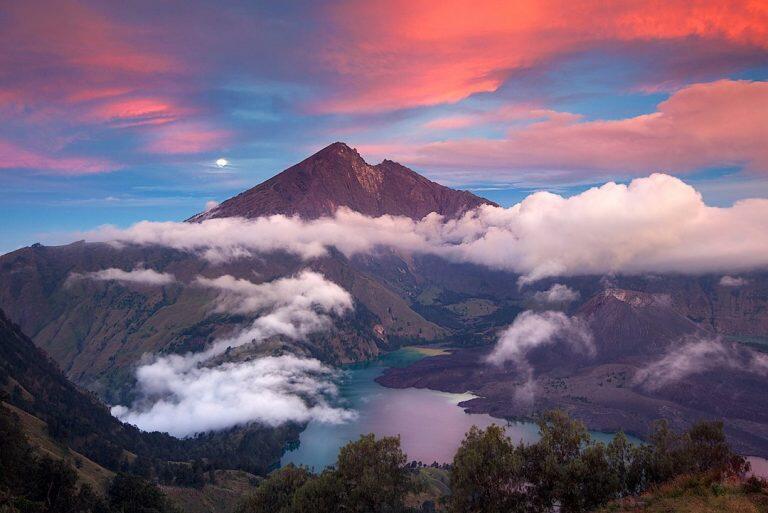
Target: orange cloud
column 139, row 111
column 714, row 124
column 403, row 53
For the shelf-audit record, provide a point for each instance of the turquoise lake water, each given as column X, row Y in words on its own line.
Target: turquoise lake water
column 431, row 425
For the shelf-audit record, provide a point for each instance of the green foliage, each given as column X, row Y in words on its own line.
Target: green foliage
column 702, row 449
column 14, row 453
column 370, row 477
column 275, row 494
column 567, row 471
column 564, row 471
column 755, row 485
column 132, row 494
column 319, row 495
column 487, row 474
column 34, row 484
column 692, row 493
column 554, row 464
column 373, row 474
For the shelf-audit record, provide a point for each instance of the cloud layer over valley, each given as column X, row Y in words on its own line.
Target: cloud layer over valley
column 697, row 356
column 652, row 225
column 531, row 330
column 192, row 393
column 656, row 224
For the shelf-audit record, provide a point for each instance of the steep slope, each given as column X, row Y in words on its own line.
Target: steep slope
column 34, row 384
column 337, row 176
column 629, row 323
column 97, row 330
column 31, row 382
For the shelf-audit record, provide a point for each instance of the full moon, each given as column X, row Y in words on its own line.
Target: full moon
column 222, row 162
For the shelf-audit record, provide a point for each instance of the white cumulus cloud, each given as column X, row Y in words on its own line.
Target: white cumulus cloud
column 183, row 401
column 655, row 224
column 531, row 330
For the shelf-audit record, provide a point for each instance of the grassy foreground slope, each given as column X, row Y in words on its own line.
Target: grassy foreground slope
column 695, row 494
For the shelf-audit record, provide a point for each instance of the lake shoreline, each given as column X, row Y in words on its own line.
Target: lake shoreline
column 430, row 423
column 603, row 396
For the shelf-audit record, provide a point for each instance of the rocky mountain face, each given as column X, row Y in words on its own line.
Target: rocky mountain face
column 628, row 324
column 739, row 311
column 337, row 176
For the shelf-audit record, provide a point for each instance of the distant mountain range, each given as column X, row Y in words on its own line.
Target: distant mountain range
column 98, row 331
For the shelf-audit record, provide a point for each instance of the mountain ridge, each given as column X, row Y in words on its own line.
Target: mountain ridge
column 337, row 176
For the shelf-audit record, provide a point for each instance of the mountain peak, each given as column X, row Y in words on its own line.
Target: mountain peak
column 629, row 322
column 337, row 151
column 337, row 176
column 633, row 297
column 338, row 148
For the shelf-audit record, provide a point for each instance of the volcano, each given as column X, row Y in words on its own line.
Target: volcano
column 337, row 176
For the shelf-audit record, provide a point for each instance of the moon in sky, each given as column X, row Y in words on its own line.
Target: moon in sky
column 222, row 162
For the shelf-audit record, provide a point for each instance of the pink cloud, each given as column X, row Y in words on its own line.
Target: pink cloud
column 63, row 49
column 73, row 75
column 183, row 138
column 79, row 36
column 518, row 112
column 13, row 156
column 403, row 53
column 136, row 111
column 704, row 125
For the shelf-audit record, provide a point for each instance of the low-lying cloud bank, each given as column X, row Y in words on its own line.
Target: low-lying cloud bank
column 699, row 356
column 271, row 390
column 653, row 225
column 531, row 330
column 187, row 394
column 144, row 276
column 293, row 307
